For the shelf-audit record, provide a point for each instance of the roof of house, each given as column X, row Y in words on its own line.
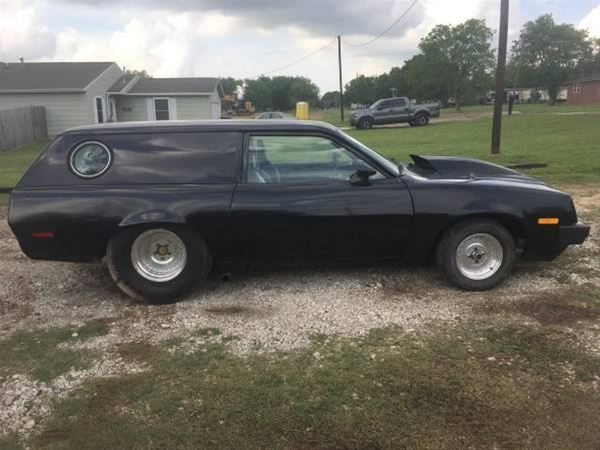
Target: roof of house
column 49, row 76
column 174, row 85
column 121, row 83
column 592, row 77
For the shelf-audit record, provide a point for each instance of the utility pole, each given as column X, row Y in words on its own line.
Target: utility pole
column 500, row 69
column 340, row 71
column 393, row 91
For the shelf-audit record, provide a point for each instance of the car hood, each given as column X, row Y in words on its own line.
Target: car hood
column 458, row 167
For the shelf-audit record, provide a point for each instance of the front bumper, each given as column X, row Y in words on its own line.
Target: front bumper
column 573, row 234
column 549, row 243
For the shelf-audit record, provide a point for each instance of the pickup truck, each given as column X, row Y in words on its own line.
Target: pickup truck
column 394, row 110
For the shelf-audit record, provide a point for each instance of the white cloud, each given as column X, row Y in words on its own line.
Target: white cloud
column 164, row 44
column 592, row 22
column 22, row 33
column 237, row 38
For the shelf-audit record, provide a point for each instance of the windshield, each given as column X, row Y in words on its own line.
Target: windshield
column 374, row 105
column 389, row 165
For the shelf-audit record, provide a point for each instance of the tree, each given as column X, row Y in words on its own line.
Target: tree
column 459, row 59
column 281, row 92
column 360, row 90
column 422, row 82
column 230, row 85
column 591, row 65
column 330, row 99
column 548, row 54
column 140, row 73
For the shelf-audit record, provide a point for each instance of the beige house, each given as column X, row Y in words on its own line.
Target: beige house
column 82, row 93
column 135, row 98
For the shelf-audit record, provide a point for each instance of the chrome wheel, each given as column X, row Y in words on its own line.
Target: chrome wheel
column 479, row 256
column 158, row 255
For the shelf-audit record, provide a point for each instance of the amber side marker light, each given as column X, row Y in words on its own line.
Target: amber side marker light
column 43, row 234
column 548, row 221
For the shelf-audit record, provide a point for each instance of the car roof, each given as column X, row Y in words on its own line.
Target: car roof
column 203, row 125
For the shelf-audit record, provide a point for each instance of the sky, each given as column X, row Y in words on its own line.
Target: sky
column 247, row 38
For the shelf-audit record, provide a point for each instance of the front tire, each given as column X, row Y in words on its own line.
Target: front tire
column 476, row 255
column 158, row 264
column 365, row 124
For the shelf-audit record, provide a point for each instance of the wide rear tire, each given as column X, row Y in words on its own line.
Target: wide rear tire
column 477, row 254
column 159, row 264
column 422, row 119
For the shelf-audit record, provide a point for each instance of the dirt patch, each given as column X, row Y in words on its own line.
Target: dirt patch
column 566, row 307
column 233, row 310
column 557, row 313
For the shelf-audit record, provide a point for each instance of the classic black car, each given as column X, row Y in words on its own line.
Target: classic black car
column 162, row 202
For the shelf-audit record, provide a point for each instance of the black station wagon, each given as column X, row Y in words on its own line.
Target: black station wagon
column 162, row 202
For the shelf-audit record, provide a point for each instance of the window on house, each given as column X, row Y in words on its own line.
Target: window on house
column 161, row 109
column 577, row 88
column 99, row 110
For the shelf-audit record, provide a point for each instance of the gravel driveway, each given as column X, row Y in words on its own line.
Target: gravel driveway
column 269, row 309
column 272, row 309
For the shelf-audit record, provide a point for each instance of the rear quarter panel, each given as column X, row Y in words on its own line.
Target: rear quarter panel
column 171, row 177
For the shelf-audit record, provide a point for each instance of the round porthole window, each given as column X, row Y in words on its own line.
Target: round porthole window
column 90, row 159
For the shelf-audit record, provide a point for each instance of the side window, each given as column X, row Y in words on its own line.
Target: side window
column 385, row 105
column 399, row 103
column 300, row 159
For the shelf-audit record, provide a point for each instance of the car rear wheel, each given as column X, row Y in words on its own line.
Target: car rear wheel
column 477, row 254
column 365, row 123
column 422, row 119
column 158, row 264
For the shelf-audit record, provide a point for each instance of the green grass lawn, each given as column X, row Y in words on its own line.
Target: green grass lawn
column 566, row 137
column 14, row 162
column 569, row 144
column 559, row 136
column 480, row 386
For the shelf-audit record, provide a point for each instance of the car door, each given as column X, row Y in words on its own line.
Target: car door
column 400, row 110
column 297, row 200
column 383, row 112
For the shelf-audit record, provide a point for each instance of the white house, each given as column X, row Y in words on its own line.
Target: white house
column 81, row 93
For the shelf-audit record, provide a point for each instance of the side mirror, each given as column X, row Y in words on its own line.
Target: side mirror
column 361, row 177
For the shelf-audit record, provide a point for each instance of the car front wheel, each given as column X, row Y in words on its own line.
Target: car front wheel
column 476, row 255
column 365, row 124
column 158, row 264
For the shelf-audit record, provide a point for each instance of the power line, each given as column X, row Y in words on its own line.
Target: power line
column 362, row 44
column 297, row 61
